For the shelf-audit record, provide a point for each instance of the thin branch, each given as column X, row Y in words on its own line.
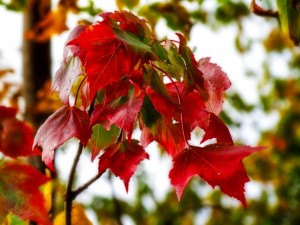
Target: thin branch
column 69, row 197
column 76, row 192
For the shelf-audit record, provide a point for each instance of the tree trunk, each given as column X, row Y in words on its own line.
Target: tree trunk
column 36, row 68
column 36, row 65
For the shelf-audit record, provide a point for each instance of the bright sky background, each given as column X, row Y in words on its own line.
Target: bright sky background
column 217, row 45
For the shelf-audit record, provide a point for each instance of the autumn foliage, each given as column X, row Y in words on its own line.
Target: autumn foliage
column 116, row 77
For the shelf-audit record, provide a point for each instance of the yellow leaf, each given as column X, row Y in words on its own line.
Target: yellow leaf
column 78, row 217
column 47, row 191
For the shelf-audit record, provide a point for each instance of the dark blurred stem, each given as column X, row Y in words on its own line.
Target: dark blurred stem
column 69, row 196
column 86, row 185
column 259, row 11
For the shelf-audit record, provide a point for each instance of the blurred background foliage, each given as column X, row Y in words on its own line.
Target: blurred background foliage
column 275, row 171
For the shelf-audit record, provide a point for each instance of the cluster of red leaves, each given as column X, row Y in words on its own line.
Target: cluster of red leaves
column 129, row 78
column 19, row 183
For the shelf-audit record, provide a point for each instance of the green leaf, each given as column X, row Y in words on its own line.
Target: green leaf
column 289, row 15
column 132, row 40
column 156, row 82
column 193, row 77
column 176, row 67
column 160, row 51
column 149, row 113
column 103, row 138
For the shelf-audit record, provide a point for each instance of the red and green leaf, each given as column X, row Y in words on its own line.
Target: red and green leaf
column 122, row 159
column 130, row 23
column 170, row 136
column 102, row 138
column 20, row 194
column 193, row 77
column 64, row 124
column 122, row 112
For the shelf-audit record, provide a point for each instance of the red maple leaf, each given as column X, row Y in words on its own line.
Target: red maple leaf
column 122, row 159
column 215, row 82
column 170, row 136
column 122, row 112
column 16, row 137
column 130, row 22
column 166, row 106
column 218, row 165
column 106, row 59
column 20, row 194
column 189, row 106
column 64, row 124
column 193, row 110
column 217, row 129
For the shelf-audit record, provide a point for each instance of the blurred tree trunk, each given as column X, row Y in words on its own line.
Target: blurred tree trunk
column 36, row 68
column 36, row 65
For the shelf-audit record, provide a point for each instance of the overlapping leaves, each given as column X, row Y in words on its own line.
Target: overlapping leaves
column 130, row 78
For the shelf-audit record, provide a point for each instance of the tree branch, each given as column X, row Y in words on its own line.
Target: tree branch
column 76, row 192
column 69, row 196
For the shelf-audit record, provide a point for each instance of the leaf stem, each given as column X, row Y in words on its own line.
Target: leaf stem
column 78, row 89
column 69, row 196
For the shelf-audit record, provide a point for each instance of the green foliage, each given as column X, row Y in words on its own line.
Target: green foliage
column 14, row 5
column 290, row 18
column 229, row 11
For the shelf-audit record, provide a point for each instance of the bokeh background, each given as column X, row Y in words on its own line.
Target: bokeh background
column 261, row 108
